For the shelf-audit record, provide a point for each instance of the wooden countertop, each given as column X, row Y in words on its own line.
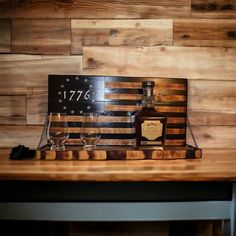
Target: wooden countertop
column 215, row 165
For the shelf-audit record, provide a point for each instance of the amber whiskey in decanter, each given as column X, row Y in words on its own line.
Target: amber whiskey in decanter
column 150, row 125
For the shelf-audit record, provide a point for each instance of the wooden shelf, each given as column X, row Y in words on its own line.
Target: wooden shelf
column 119, row 153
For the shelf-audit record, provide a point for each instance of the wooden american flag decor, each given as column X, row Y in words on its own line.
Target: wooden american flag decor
column 117, row 99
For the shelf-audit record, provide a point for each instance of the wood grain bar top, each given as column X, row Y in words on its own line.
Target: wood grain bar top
column 215, row 165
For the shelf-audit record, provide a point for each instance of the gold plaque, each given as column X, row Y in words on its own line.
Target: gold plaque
column 151, row 129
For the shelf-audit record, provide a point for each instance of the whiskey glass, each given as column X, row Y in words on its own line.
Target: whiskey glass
column 90, row 131
column 57, row 131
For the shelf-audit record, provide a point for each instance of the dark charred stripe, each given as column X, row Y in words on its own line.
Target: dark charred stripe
column 176, row 126
column 117, row 125
column 74, row 124
column 140, row 79
column 103, row 124
column 175, row 136
column 121, row 79
column 74, row 136
column 118, row 136
column 129, row 136
column 119, row 113
column 174, row 114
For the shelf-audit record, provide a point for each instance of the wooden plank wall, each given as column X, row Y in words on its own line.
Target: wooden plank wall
column 194, row 39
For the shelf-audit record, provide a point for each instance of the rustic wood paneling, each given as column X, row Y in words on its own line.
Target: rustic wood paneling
column 18, row 57
column 13, row 90
column 213, row 8
column 12, row 120
column 12, row 109
column 200, row 117
column 205, row 32
column 120, row 32
column 12, row 105
column 28, row 71
column 213, row 136
column 94, row 9
column 215, row 87
column 212, row 102
column 5, row 36
column 15, row 135
column 37, row 107
column 41, row 36
column 178, row 62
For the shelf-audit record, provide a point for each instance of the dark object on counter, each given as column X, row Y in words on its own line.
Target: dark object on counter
column 21, row 152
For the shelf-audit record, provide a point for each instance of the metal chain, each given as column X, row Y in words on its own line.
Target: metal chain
column 44, row 132
column 191, row 131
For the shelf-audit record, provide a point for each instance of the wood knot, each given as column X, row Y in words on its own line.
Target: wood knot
column 91, row 63
column 185, row 36
column 212, row 7
column 205, row 7
column 226, row 7
column 231, row 34
column 113, row 32
column 207, row 136
column 163, row 49
column 137, row 25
